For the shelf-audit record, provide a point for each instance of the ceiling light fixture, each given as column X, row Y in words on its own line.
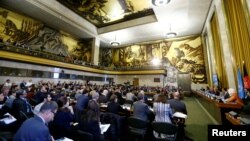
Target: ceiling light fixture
column 160, row 2
column 171, row 34
column 115, row 43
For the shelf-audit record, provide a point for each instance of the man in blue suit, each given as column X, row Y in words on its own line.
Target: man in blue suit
column 35, row 129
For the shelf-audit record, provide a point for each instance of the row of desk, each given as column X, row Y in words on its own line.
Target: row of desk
column 215, row 108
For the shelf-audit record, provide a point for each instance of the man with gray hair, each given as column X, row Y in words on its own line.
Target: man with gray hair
column 176, row 104
column 38, row 124
column 141, row 109
column 94, row 95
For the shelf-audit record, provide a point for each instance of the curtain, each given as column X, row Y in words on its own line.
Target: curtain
column 237, row 21
column 219, row 59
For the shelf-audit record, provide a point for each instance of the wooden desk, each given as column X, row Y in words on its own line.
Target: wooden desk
column 216, row 109
column 232, row 120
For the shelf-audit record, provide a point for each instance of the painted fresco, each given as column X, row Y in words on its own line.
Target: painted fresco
column 82, row 51
column 107, row 12
column 25, row 32
column 185, row 55
column 16, row 28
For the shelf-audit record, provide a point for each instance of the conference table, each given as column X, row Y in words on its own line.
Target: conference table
column 214, row 107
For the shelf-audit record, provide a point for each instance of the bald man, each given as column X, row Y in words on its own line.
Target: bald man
column 176, row 104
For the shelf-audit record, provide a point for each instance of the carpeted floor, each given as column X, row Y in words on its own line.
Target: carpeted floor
column 197, row 121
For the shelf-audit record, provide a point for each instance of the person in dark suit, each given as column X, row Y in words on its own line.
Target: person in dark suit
column 90, row 121
column 63, row 120
column 21, row 104
column 81, row 105
column 113, row 106
column 38, row 124
column 176, row 104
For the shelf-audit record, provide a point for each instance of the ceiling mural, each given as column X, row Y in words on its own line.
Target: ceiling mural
column 107, row 12
column 185, row 55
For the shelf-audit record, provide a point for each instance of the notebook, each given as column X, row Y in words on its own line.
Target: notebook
column 9, row 119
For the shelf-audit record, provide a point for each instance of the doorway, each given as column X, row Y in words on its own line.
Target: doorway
column 136, row 81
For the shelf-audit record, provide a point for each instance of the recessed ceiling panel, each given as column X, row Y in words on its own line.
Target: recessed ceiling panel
column 102, row 13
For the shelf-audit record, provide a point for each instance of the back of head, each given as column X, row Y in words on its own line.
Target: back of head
column 93, row 112
column 94, row 95
column 49, row 106
column 62, row 101
column 231, row 91
column 20, row 93
column 105, row 92
column 161, row 98
column 140, row 96
column 113, row 97
column 176, row 95
column 92, row 105
column 142, row 92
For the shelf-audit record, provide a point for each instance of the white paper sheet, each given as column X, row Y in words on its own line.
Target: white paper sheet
column 179, row 115
column 104, row 127
column 9, row 119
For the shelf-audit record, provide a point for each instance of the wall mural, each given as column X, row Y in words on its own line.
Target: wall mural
column 105, row 57
column 82, row 51
column 106, row 12
column 185, row 55
column 26, row 32
column 16, row 28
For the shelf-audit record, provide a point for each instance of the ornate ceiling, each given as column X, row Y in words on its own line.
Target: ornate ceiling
column 107, row 12
column 129, row 21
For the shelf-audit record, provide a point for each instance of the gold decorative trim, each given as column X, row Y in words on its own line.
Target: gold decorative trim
column 42, row 61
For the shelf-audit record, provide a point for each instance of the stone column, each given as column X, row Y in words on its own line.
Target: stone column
column 95, row 51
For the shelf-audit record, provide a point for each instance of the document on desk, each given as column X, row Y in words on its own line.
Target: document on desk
column 104, row 127
column 9, row 119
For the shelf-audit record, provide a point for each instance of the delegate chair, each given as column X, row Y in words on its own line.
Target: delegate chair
column 169, row 130
column 137, row 127
column 84, row 136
